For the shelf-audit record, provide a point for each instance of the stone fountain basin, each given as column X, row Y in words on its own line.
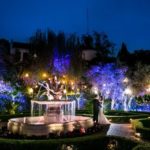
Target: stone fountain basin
column 36, row 126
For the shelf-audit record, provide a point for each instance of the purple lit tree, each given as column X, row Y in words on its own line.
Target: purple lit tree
column 61, row 64
column 109, row 80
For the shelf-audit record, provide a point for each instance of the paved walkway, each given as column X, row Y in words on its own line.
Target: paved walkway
column 123, row 130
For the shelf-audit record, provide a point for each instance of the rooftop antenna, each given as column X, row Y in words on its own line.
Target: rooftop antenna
column 87, row 21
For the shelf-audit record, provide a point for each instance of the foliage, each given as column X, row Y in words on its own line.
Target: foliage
column 107, row 104
column 89, row 106
column 124, row 117
column 103, row 44
column 142, row 126
column 45, row 44
column 11, row 98
column 143, row 99
column 141, row 56
column 139, row 76
column 81, row 143
column 123, row 55
column 144, row 146
column 109, row 79
column 6, row 117
column 61, row 65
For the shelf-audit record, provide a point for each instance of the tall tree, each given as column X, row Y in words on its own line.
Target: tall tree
column 104, row 48
column 141, row 56
column 61, row 43
column 51, row 45
column 102, row 44
column 87, row 42
column 5, row 45
column 39, row 47
column 139, row 76
column 109, row 80
column 72, row 42
column 123, row 56
column 76, row 60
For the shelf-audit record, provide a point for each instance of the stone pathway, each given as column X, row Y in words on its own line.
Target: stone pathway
column 123, row 130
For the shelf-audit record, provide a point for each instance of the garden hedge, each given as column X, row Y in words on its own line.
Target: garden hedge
column 118, row 116
column 125, row 119
column 95, row 142
column 142, row 126
column 142, row 147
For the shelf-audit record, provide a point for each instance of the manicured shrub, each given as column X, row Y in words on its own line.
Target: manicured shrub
column 5, row 118
column 124, row 117
column 142, row 147
column 96, row 141
column 142, row 126
column 117, row 116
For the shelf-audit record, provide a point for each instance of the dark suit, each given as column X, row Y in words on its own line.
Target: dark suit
column 96, row 108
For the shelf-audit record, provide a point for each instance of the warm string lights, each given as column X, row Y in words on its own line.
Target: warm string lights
column 52, row 85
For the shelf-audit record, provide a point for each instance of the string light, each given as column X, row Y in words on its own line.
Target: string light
column 44, row 75
column 26, row 75
column 30, row 90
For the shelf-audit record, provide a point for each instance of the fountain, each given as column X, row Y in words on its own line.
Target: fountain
column 54, row 116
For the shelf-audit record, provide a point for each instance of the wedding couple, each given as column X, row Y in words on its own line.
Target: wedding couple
column 98, row 114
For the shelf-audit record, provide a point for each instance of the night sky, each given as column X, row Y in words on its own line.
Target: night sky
column 122, row 20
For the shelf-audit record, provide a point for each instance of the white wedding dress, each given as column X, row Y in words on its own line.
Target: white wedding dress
column 101, row 117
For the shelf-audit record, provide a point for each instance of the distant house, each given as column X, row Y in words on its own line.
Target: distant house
column 21, row 48
column 89, row 54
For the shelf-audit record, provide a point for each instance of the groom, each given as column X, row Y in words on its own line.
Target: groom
column 96, row 108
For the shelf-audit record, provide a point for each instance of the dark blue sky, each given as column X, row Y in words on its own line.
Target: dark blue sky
column 121, row 20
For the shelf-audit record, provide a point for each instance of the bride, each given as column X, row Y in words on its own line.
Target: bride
column 101, row 117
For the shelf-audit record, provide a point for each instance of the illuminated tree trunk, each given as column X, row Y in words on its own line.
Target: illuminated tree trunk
column 129, row 103
column 113, row 104
column 125, row 106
